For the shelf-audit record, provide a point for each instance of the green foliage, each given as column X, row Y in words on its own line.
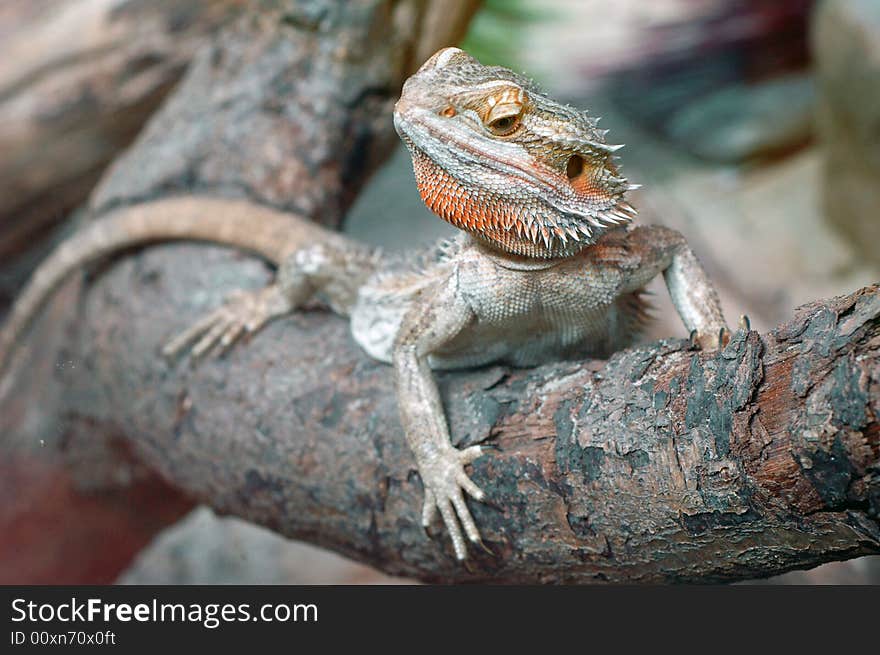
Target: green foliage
column 496, row 32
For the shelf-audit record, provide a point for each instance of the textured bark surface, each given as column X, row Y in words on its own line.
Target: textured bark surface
column 662, row 464
column 290, row 106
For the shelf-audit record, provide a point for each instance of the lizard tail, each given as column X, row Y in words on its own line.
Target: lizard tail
column 242, row 224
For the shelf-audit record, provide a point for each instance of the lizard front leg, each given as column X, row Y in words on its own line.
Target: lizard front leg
column 436, row 316
column 661, row 249
column 333, row 272
column 243, row 312
column 695, row 299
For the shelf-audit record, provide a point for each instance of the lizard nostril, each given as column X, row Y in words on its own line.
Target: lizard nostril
column 574, row 167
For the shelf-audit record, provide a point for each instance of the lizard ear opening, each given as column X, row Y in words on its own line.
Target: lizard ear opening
column 586, row 178
column 580, row 176
column 575, row 167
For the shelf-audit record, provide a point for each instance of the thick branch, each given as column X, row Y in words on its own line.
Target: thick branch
column 660, row 464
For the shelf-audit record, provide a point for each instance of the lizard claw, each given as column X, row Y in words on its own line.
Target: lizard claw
column 429, row 510
column 444, row 479
column 244, row 312
column 709, row 341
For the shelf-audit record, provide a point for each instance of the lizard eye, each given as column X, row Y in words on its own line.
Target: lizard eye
column 504, row 126
column 502, row 109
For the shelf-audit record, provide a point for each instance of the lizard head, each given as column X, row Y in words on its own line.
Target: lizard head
column 495, row 157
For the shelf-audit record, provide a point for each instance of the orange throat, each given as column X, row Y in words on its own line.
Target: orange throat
column 491, row 219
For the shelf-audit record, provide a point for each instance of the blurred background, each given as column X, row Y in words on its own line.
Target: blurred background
column 753, row 125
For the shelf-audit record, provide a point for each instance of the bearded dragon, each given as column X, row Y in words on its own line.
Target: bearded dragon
column 547, row 264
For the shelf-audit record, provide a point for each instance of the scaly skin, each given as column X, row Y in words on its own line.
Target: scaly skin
column 546, row 267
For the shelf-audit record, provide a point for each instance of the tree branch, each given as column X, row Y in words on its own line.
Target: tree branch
column 662, row 464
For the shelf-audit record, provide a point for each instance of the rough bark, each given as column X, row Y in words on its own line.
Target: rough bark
column 290, row 106
column 662, row 464
column 79, row 79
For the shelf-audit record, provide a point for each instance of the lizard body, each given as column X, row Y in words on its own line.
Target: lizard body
column 547, row 264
